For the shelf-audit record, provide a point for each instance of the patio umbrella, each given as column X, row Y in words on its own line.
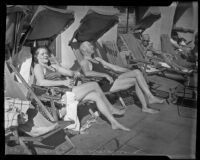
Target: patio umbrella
column 151, row 15
column 14, row 20
column 94, row 25
column 47, row 23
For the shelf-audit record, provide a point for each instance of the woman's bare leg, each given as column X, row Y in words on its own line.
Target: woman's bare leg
column 94, row 96
column 93, row 86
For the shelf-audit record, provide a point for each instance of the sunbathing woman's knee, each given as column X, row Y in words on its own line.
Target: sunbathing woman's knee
column 94, row 96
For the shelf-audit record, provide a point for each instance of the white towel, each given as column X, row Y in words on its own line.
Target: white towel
column 25, row 70
column 71, row 110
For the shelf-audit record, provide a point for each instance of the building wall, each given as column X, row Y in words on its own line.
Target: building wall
column 67, row 54
column 163, row 26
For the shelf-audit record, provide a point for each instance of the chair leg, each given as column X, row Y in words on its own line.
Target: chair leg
column 26, row 149
column 54, row 112
column 122, row 102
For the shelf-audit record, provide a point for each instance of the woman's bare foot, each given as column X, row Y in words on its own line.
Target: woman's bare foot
column 119, row 126
column 118, row 111
column 155, row 100
column 149, row 110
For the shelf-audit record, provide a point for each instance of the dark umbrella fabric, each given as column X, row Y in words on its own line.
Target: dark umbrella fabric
column 14, row 22
column 147, row 20
column 94, row 25
column 47, row 24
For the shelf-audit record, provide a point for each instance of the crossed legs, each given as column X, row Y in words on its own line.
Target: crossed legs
column 91, row 91
column 137, row 74
column 126, row 80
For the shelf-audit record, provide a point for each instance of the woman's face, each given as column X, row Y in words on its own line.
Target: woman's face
column 43, row 56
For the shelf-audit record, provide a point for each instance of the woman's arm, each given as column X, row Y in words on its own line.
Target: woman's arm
column 112, row 66
column 63, row 71
column 41, row 81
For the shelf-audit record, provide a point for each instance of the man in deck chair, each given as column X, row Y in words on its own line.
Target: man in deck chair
column 96, row 67
column 175, row 61
column 87, row 91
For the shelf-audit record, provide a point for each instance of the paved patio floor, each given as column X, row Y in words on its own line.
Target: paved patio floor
column 171, row 132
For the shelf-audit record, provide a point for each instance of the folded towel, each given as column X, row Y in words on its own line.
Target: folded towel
column 71, row 110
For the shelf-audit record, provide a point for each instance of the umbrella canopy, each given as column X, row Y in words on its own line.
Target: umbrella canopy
column 94, row 25
column 47, row 24
column 14, row 20
column 180, row 10
column 151, row 15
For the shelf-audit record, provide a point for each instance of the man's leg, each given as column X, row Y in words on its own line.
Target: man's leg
column 123, row 84
column 142, row 84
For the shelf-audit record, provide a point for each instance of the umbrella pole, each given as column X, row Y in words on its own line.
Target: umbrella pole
column 127, row 20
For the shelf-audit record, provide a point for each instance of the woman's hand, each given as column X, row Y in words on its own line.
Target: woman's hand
column 68, row 82
column 77, row 74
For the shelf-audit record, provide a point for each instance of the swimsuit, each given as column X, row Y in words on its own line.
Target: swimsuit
column 104, row 83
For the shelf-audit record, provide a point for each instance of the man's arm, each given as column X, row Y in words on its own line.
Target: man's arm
column 112, row 66
column 63, row 71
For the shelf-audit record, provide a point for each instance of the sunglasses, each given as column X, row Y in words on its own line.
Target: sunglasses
column 146, row 41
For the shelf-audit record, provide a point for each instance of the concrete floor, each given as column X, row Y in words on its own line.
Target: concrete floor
column 171, row 132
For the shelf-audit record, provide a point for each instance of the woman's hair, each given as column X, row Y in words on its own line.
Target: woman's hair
column 36, row 52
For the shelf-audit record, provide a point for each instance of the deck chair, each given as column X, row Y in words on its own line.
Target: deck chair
column 138, row 55
column 38, row 128
column 178, row 62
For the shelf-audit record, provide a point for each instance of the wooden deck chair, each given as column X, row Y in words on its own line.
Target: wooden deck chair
column 113, row 53
column 38, row 128
column 138, row 55
column 177, row 62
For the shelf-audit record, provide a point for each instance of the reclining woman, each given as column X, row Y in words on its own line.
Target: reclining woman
column 96, row 67
column 88, row 91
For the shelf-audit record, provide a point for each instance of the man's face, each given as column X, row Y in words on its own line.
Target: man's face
column 90, row 48
column 145, row 42
column 145, row 39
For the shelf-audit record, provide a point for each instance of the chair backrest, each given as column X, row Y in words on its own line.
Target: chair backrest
column 166, row 45
column 134, row 46
column 13, row 88
column 113, row 54
column 37, row 124
column 27, row 89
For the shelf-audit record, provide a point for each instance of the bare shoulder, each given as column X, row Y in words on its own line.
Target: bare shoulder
column 37, row 69
column 84, row 62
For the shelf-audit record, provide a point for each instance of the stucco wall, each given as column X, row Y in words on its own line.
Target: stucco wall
column 160, row 26
column 67, row 54
column 188, row 20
